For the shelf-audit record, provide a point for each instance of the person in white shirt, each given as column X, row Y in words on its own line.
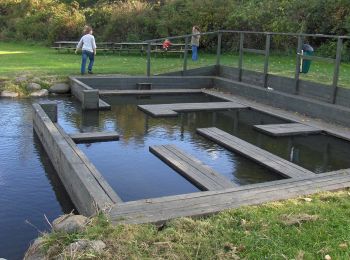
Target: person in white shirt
column 88, row 45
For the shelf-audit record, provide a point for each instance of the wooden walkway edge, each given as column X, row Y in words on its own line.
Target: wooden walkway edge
column 287, row 129
column 197, row 172
column 172, row 109
column 255, row 153
column 208, row 202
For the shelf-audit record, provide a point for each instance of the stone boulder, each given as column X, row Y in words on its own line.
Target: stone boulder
column 21, row 79
column 40, row 93
column 9, row 94
column 60, row 88
column 70, row 223
column 35, row 251
column 33, row 86
column 96, row 246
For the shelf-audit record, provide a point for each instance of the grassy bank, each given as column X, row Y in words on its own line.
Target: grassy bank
column 40, row 61
column 303, row 228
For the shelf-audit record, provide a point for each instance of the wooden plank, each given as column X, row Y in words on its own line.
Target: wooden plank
column 287, row 129
column 152, row 91
column 192, row 169
column 209, row 202
column 172, row 109
column 94, row 137
column 255, row 153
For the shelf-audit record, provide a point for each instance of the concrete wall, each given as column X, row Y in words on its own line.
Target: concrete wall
column 314, row 108
column 309, row 89
column 203, row 71
column 86, row 187
column 159, row 82
column 88, row 96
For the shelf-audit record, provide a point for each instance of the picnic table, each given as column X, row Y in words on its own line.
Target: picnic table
column 129, row 47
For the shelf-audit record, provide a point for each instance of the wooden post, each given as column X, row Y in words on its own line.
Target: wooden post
column 297, row 66
column 185, row 56
column 336, row 70
column 266, row 62
column 218, row 51
column 240, row 61
column 149, row 59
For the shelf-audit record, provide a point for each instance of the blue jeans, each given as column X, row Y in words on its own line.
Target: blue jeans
column 194, row 52
column 85, row 55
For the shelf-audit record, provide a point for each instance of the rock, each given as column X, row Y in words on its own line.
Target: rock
column 69, row 223
column 96, row 246
column 33, row 86
column 60, row 88
column 21, row 79
column 40, row 93
column 10, row 94
column 35, row 251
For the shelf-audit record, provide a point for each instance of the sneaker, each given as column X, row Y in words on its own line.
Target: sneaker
column 90, row 72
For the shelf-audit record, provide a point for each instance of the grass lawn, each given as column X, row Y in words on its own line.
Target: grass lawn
column 303, row 228
column 36, row 60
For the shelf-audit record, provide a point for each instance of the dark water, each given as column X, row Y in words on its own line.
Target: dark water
column 30, row 188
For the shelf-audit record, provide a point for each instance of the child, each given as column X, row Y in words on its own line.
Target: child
column 88, row 45
column 166, row 44
column 195, row 42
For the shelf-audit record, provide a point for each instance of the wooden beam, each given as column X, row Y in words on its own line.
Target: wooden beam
column 287, row 129
column 192, row 169
column 203, row 203
column 255, row 153
column 94, row 137
column 172, row 109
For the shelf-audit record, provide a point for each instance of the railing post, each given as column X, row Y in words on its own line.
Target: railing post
column 185, row 56
column 218, row 51
column 149, row 59
column 266, row 62
column 240, row 60
column 297, row 66
column 336, row 70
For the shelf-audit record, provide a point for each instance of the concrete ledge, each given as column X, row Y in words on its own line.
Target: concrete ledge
column 86, row 187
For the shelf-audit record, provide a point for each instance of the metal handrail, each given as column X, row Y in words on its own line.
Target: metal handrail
column 265, row 52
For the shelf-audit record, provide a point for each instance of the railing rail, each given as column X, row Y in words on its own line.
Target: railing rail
column 265, row 52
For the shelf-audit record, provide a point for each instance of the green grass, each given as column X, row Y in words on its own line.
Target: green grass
column 36, row 60
column 292, row 229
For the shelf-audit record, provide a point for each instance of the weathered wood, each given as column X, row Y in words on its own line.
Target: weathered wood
column 172, row 109
column 209, row 202
column 255, row 153
column 94, row 137
column 192, row 169
column 84, row 184
column 287, row 129
column 152, row 91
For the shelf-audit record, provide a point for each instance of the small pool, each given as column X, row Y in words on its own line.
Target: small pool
column 30, row 188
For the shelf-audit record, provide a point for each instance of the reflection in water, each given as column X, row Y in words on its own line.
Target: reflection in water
column 29, row 188
column 61, row 194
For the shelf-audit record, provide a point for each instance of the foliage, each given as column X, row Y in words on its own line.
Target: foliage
column 135, row 20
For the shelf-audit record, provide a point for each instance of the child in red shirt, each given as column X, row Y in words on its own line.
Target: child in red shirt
column 166, row 44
